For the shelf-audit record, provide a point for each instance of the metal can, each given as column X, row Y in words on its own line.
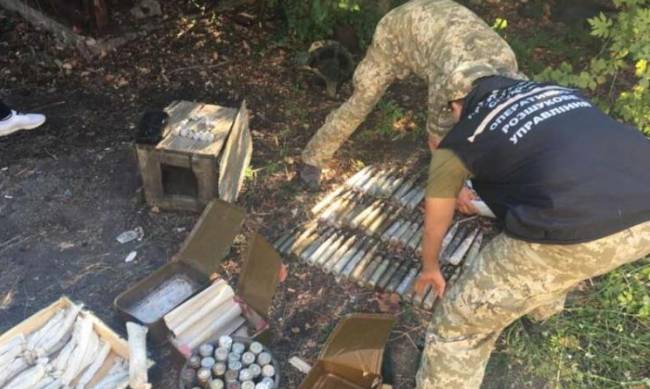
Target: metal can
column 206, row 350
column 264, row 359
column 221, row 354
column 238, row 347
column 225, row 341
column 219, row 369
column 268, row 371
column 247, row 358
column 256, row 348
column 207, row 362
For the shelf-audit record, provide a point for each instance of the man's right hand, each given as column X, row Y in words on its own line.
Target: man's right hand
column 431, row 277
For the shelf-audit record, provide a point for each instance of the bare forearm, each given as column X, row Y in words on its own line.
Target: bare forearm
column 438, row 215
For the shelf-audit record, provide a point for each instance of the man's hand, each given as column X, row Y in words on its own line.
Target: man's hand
column 464, row 201
column 431, row 277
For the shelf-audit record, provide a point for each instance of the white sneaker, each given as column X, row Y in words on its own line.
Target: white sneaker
column 20, row 121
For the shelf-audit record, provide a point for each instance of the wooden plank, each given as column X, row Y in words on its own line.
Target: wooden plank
column 236, row 157
column 197, row 117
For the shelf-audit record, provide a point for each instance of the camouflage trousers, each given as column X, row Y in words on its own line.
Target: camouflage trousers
column 509, row 279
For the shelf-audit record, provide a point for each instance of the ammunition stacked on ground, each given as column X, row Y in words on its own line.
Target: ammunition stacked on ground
column 211, row 313
column 369, row 230
column 229, row 363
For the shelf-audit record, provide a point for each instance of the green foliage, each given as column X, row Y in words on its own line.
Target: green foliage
column 619, row 76
column 601, row 340
column 310, row 20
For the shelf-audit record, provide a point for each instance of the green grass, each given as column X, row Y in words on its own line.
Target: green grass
column 601, row 340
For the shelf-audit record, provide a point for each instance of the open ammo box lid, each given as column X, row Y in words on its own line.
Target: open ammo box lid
column 259, row 275
column 151, row 298
column 353, row 354
column 258, row 280
column 212, row 235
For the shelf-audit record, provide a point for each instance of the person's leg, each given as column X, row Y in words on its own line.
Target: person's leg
column 548, row 310
column 5, row 111
column 508, row 280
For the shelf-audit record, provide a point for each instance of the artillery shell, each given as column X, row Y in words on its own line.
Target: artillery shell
column 410, row 233
column 287, row 243
column 194, row 362
column 221, row 354
column 247, row 358
column 245, row 375
column 398, row 277
column 263, row 359
column 453, row 245
column 417, row 198
column 381, row 269
column 283, row 238
column 408, row 293
column 248, row 385
column 231, row 376
column 203, row 375
column 394, row 237
column 407, row 196
column 346, row 209
column 365, row 275
column 327, row 253
column 302, row 238
column 336, row 255
column 233, row 385
column 327, row 200
column 393, row 266
column 339, row 265
column 235, row 365
column 369, row 183
column 376, row 213
column 322, row 247
column 391, row 230
column 415, row 239
column 394, row 186
column 347, row 218
column 474, row 250
column 256, row 348
column 225, row 342
column 463, row 248
column 404, row 188
column 430, row 299
column 380, row 223
column 334, row 206
column 207, row 362
column 356, row 221
column 360, row 177
column 320, row 239
column 409, row 279
column 448, row 237
column 219, row 369
column 216, row 384
column 418, row 299
column 358, row 261
column 268, row 371
column 255, row 370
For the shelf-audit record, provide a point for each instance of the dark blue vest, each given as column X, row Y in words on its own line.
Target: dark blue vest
column 552, row 167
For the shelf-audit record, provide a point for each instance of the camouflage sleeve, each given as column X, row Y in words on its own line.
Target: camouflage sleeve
column 371, row 78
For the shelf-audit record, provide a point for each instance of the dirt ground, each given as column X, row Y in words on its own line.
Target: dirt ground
column 70, row 187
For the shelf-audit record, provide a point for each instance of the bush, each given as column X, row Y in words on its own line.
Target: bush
column 310, row 20
column 619, row 76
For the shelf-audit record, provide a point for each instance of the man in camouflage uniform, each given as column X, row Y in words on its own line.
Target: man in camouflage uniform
column 570, row 186
column 429, row 38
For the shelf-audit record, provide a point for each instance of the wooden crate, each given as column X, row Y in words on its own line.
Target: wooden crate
column 185, row 174
column 119, row 346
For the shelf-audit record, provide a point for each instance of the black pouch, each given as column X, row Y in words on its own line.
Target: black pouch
column 151, row 127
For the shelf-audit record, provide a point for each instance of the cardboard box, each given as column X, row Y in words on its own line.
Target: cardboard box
column 186, row 174
column 353, row 354
column 119, row 346
column 196, row 264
